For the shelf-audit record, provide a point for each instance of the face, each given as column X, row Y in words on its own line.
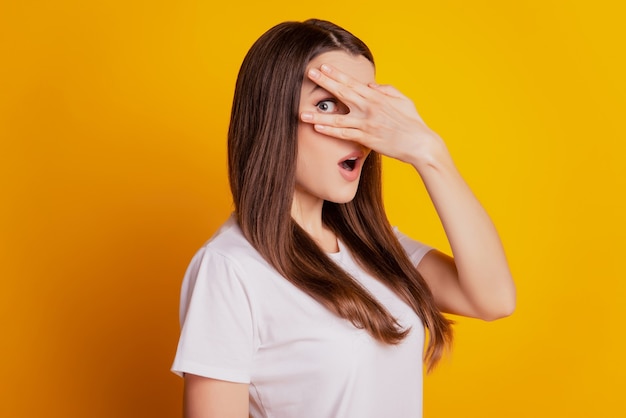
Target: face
column 329, row 168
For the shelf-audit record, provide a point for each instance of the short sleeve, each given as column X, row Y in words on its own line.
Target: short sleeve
column 217, row 332
column 414, row 249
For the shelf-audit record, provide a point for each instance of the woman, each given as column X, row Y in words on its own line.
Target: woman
column 306, row 303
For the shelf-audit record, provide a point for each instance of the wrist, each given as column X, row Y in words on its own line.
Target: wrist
column 432, row 156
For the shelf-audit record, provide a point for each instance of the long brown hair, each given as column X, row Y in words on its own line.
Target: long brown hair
column 262, row 151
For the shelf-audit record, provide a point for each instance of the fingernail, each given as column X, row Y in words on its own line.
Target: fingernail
column 313, row 73
column 306, row 116
column 326, row 68
column 319, row 127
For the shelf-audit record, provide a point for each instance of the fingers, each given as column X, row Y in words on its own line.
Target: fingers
column 386, row 89
column 335, row 120
column 349, row 134
column 341, row 85
column 338, row 126
column 391, row 91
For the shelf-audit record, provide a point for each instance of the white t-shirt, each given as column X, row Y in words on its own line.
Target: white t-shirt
column 243, row 322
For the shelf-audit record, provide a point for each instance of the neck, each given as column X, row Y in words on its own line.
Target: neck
column 306, row 210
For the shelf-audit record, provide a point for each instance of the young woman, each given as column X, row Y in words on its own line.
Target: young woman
column 307, row 303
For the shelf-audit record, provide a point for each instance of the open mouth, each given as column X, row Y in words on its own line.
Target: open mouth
column 349, row 164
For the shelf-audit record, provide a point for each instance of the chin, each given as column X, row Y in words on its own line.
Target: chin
column 343, row 198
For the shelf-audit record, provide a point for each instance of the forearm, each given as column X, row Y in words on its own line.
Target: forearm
column 381, row 118
column 482, row 270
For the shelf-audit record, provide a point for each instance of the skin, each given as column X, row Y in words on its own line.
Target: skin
column 211, row 398
column 318, row 176
column 475, row 282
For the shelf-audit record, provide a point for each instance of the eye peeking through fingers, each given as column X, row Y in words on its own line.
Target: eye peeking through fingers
column 327, row 105
column 331, row 106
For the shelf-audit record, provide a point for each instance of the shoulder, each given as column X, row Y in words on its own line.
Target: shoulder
column 228, row 246
column 229, row 242
column 226, row 260
column 416, row 250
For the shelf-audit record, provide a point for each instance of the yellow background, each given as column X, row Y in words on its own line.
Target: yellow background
column 113, row 118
